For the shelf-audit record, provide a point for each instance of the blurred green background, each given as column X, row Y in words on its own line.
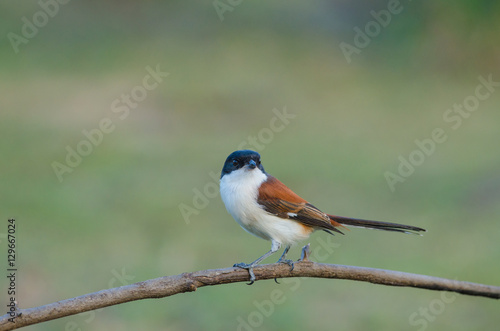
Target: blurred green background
column 116, row 217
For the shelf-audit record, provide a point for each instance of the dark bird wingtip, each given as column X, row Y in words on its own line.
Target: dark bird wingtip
column 417, row 231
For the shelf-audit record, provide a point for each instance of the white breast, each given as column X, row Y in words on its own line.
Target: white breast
column 239, row 191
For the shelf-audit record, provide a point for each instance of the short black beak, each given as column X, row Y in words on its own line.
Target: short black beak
column 252, row 164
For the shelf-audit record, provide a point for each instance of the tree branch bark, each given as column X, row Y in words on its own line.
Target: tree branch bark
column 188, row 282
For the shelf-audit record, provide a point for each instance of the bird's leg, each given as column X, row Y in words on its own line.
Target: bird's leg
column 306, row 251
column 283, row 260
column 275, row 246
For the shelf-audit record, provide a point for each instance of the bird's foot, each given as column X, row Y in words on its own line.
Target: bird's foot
column 289, row 262
column 249, row 267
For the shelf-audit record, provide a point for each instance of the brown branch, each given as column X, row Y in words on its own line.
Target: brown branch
column 188, row 282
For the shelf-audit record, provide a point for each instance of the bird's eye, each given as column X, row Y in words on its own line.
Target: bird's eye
column 235, row 163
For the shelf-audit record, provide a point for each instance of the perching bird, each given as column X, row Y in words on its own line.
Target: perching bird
column 268, row 209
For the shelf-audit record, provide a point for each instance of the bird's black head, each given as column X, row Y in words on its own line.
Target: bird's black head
column 239, row 159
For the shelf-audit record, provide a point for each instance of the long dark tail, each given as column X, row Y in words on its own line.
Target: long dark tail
column 386, row 226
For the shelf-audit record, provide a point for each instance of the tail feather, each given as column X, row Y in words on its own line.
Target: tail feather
column 386, row 226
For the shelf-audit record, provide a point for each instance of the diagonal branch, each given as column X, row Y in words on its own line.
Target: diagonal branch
column 188, row 282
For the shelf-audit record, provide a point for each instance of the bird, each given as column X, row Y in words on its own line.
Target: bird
column 265, row 207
